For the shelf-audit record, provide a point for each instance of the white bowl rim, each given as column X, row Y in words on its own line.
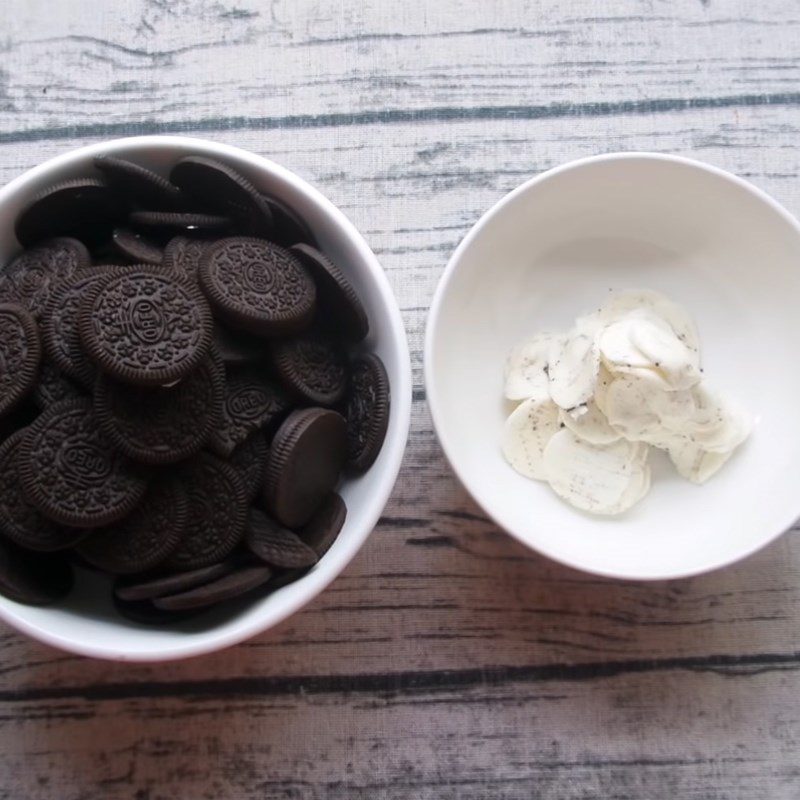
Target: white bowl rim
column 437, row 411
column 315, row 581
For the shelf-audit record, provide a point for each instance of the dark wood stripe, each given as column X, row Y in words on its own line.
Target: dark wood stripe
column 395, row 683
column 398, row 116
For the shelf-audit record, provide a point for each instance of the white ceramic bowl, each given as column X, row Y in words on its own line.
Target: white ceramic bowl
column 86, row 622
column 551, row 250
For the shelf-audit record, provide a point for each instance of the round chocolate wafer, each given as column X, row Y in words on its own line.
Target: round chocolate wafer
column 338, row 301
column 31, row 277
column 84, row 208
column 225, row 190
column 182, row 256
column 217, row 513
column 19, row 520
column 367, row 411
column 321, row 530
column 250, row 458
column 178, row 221
column 275, row 544
column 143, row 186
column 145, row 538
column 143, row 612
column 60, row 324
column 235, row 584
column 146, row 587
column 257, row 286
column 306, row 458
column 53, row 386
column 36, row 579
column 20, row 354
column 312, row 366
column 251, row 402
column 136, row 248
column 71, row 473
column 290, row 227
column 145, row 328
column 161, row 424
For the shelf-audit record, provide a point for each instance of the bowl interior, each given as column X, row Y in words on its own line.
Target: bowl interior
column 87, row 622
column 552, row 250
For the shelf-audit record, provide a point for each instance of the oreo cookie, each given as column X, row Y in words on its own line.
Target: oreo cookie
column 217, row 513
column 145, row 328
column 52, row 386
column 275, row 544
column 135, row 248
column 138, row 588
column 36, row 579
column 182, row 257
column 257, row 286
column 20, row 354
column 311, row 366
column 21, row 522
column 235, row 584
column 305, row 462
column 143, row 612
column 338, row 300
column 143, row 186
column 321, row 530
column 145, row 538
column 60, row 324
column 289, row 227
column 84, row 208
column 250, row 459
column 367, row 411
column 177, row 221
column 225, row 190
column 251, row 402
column 70, row 472
column 30, row 278
column 161, row 425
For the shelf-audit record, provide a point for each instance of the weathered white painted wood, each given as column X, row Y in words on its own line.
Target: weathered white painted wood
column 447, row 662
column 671, row 734
column 86, row 63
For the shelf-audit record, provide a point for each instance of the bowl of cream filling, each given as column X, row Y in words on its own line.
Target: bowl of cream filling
column 610, row 366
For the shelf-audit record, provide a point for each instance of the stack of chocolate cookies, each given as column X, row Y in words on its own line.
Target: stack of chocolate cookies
column 184, row 381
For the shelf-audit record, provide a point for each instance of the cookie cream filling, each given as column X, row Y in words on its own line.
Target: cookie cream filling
column 594, row 400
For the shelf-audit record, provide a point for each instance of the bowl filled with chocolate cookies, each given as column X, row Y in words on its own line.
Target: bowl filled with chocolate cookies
column 205, row 397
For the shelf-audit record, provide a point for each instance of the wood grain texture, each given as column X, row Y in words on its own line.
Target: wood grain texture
column 447, row 661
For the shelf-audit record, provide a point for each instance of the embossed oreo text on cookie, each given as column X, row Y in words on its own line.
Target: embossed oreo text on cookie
column 145, row 328
column 251, row 402
column 83, row 463
column 258, row 286
column 70, row 471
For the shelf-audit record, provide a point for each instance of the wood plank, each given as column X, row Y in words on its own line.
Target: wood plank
column 438, row 587
column 711, row 734
column 80, row 64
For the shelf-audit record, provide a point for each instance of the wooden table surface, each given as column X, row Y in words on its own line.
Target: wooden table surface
column 447, row 661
